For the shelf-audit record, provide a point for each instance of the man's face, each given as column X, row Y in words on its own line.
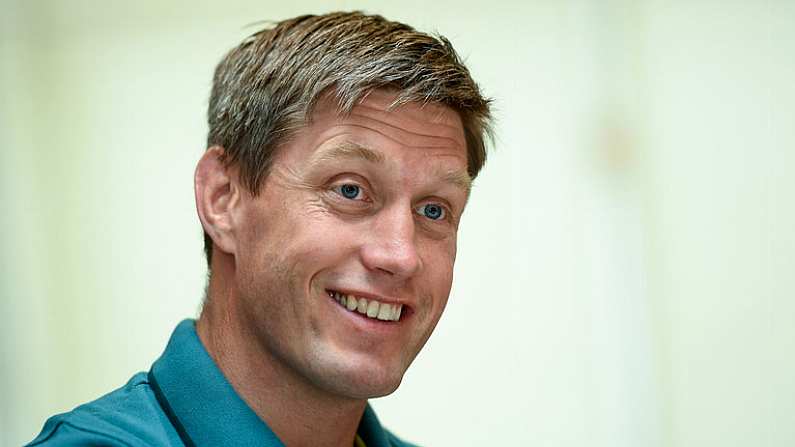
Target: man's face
column 361, row 207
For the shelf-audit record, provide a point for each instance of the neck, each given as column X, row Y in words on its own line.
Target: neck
column 298, row 412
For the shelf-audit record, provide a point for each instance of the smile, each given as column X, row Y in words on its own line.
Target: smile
column 368, row 308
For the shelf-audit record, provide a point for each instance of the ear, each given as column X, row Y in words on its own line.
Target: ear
column 217, row 195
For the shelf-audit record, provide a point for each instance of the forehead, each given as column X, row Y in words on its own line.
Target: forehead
column 414, row 123
column 427, row 130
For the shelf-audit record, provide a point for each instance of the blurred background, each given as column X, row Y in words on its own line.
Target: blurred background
column 625, row 272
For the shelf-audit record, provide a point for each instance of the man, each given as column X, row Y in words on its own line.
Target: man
column 340, row 155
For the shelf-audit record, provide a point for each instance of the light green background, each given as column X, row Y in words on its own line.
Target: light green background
column 626, row 269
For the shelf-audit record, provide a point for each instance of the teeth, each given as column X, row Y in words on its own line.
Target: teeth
column 384, row 312
column 372, row 308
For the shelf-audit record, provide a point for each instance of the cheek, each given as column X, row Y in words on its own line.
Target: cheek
column 315, row 241
column 439, row 259
column 438, row 277
column 272, row 224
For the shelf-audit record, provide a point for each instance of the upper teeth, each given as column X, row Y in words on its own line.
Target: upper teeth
column 369, row 308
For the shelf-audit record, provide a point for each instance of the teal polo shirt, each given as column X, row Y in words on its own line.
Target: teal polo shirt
column 184, row 400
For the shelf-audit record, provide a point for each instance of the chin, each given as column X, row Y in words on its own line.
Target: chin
column 356, row 380
column 368, row 388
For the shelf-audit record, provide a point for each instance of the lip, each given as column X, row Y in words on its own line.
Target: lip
column 365, row 324
column 370, row 296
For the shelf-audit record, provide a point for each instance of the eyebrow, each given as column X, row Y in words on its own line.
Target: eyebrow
column 460, row 179
column 349, row 150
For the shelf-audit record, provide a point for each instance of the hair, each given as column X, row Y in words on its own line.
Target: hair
column 264, row 90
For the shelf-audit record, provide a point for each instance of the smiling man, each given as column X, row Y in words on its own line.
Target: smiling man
column 340, row 156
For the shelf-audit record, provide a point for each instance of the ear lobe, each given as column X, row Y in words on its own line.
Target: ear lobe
column 217, row 195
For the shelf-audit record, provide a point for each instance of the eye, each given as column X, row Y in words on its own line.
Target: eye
column 349, row 191
column 432, row 211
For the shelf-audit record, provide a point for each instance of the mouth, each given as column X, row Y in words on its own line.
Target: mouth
column 368, row 308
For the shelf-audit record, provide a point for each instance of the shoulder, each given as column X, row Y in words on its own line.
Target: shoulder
column 128, row 416
column 394, row 441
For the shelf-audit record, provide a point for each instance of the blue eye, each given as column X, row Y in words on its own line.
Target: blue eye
column 349, row 191
column 432, row 211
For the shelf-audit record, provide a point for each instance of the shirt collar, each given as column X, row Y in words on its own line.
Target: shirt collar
column 204, row 407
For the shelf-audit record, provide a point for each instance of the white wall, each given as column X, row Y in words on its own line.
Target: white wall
column 721, row 159
column 624, row 268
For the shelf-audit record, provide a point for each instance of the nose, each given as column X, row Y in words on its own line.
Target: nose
column 391, row 245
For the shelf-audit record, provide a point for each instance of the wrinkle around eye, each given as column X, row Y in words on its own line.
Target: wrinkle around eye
column 317, row 207
column 289, row 177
